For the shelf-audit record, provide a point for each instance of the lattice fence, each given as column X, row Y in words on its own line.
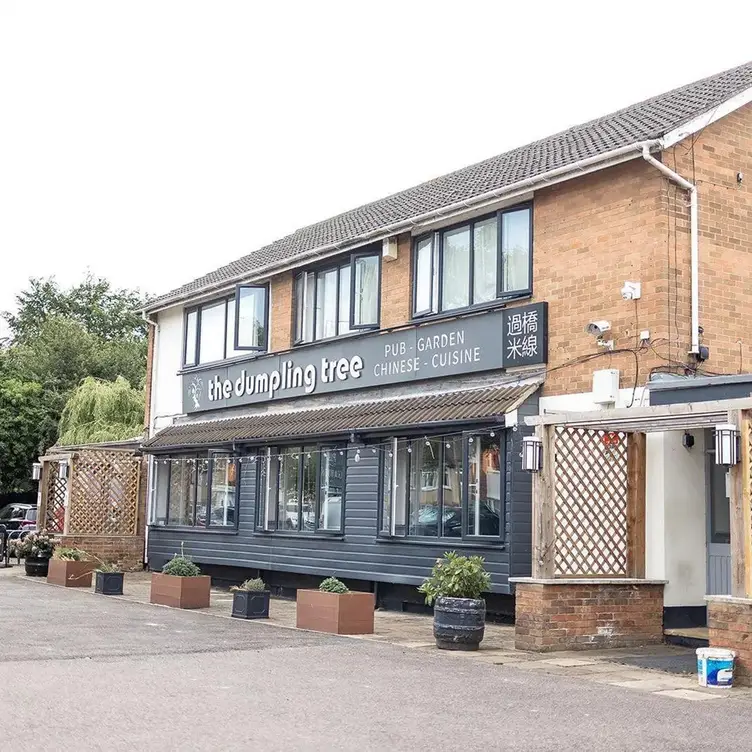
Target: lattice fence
column 104, row 493
column 54, row 499
column 590, row 503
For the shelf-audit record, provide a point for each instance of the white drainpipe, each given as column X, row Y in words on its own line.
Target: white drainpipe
column 693, row 242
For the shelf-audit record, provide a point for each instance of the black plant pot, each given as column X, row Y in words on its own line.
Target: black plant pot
column 459, row 623
column 250, row 604
column 109, row 583
column 36, row 566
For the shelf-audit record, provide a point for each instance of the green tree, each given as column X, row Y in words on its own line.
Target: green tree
column 22, row 412
column 102, row 411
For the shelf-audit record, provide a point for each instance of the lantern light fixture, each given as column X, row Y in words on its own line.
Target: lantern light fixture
column 726, row 444
column 532, row 454
column 62, row 470
column 36, row 471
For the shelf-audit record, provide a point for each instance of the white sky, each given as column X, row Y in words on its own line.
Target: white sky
column 154, row 140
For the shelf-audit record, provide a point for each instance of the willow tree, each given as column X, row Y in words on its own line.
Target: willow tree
column 102, row 411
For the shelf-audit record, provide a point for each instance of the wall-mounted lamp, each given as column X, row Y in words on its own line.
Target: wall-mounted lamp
column 532, row 454
column 726, row 444
column 62, row 470
column 36, row 471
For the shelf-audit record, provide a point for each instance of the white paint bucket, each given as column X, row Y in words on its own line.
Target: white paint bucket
column 715, row 667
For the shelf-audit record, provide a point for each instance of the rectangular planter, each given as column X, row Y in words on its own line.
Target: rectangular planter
column 70, row 573
column 108, row 583
column 180, row 592
column 337, row 613
column 250, row 604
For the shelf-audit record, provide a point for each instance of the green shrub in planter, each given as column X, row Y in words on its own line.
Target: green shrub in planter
column 180, row 566
column 456, row 576
column 333, row 585
column 70, row 554
column 250, row 600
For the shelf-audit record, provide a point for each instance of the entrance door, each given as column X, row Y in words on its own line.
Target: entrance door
column 719, row 524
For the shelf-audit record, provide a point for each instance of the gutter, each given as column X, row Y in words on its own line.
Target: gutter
column 558, row 174
column 691, row 188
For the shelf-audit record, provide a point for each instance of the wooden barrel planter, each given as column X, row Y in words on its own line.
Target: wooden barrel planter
column 459, row 623
column 36, row 567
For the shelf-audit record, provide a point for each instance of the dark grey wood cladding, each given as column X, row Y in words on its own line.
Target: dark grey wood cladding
column 359, row 554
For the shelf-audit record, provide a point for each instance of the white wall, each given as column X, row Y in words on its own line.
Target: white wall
column 167, row 394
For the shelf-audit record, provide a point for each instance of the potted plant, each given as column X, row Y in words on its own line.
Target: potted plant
column 459, row 616
column 108, row 579
column 180, row 584
column 334, row 608
column 70, row 567
column 36, row 550
column 250, row 600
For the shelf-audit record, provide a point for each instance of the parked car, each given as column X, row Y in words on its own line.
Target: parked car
column 19, row 516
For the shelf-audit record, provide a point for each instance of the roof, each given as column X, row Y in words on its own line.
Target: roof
column 645, row 121
column 487, row 404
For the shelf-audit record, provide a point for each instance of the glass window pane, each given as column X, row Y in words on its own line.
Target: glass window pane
column 720, row 507
column 182, row 491
column 161, row 489
column 366, row 311
column 230, row 346
column 344, row 300
column 387, row 486
column 452, row 480
column 423, row 280
column 515, row 250
column 424, row 487
column 212, row 338
column 484, row 486
column 190, row 338
column 202, row 489
column 299, row 306
column 288, row 490
column 269, row 485
column 332, row 489
column 223, row 487
column 455, row 285
column 485, row 267
column 309, row 458
column 326, row 304
column 252, row 317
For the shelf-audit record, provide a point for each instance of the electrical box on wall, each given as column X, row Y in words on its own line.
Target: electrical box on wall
column 389, row 249
column 606, row 386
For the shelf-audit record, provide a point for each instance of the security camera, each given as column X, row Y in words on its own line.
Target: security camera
column 598, row 328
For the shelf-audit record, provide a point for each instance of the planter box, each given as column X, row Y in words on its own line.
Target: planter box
column 250, row 604
column 338, row 613
column 180, row 592
column 70, row 573
column 36, row 567
column 108, row 583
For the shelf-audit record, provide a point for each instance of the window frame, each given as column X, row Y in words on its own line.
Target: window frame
column 209, row 456
column 402, row 442
column 316, row 272
column 436, row 302
column 262, row 500
column 236, row 338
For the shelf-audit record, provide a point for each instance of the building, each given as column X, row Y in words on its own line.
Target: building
column 352, row 398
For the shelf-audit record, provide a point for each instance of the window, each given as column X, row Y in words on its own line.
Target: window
column 196, row 491
column 338, row 300
column 302, row 489
column 442, row 488
column 474, row 263
column 228, row 327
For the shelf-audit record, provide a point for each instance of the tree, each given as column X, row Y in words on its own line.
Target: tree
column 22, row 413
column 102, row 411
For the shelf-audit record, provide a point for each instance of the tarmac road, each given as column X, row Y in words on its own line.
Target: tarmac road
column 86, row 672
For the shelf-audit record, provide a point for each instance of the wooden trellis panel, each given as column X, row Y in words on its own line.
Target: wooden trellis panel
column 54, row 499
column 591, row 503
column 104, row 493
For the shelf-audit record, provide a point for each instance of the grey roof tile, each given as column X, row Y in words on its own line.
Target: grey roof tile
column 644, row 121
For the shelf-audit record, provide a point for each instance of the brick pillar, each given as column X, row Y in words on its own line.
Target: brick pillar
column 586, row 614
column 730, row 626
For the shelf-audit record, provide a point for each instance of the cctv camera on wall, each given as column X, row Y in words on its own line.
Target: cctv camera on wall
column 598, row 328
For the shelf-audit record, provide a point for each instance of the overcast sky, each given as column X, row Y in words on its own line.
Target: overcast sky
column 152, row 141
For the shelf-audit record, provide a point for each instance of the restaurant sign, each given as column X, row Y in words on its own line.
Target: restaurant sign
column 499, row 339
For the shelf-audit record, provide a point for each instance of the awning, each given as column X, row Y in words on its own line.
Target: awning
column 487, row 405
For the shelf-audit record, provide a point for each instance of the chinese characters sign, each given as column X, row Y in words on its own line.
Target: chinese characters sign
column 525, row 335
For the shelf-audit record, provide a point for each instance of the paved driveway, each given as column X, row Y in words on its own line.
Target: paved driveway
column 82, row 671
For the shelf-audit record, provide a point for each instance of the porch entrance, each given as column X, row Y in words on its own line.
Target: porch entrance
column 718, row 522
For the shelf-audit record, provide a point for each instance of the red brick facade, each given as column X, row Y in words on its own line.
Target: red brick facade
column 126, row 551
column 581, row 615
column 730, row 625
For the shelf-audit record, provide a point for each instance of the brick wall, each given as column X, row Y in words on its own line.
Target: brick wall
column 280, row 315
column 581, row 616
column 396, row 286
column 730, row 626
column 126, row 551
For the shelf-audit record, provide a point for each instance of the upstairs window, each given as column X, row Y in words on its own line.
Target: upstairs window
column 228, row 327
column 339, row 299
column 474, row 263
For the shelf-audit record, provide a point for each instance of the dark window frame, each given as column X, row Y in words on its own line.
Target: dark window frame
column 209, row 456
column 249, row 348
column 262, row 470
column 324, row 268
column 439, row 539
column 436, row 237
